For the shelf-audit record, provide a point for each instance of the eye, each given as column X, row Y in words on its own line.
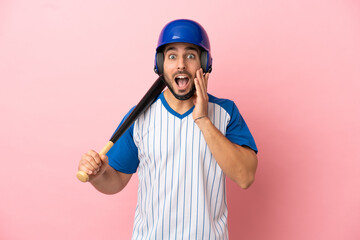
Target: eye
column 172, row 56
column 191, row 56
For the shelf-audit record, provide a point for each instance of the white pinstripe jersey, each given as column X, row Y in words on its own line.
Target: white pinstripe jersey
column 181, row 193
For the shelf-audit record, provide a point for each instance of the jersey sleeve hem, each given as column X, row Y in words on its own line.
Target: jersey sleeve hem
column 123, row 170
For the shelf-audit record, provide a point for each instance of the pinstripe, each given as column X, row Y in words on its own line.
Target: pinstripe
column 197, row 190
column 212, row 186
column 155, row 171
column 207, row 180
column 162, row 227
column 166, row 166
column 140, row 219
column 146, row 197
column 136, row 220
column 148, row 164
column 223, row 228
column 184, row 182
column 206, row 192
column 192, row 168
column 221, row 219
column 176, row 193
column 172, row 176
column 178, row 187
column 224, row 215
column 225, row 204
column 217, row 195
column 141, row 213
column 137, row 211
column 148, row 142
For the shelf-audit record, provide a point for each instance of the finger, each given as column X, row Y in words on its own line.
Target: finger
column 199, row 99
column 87, row 167
column 199, row 77
column 95, row 155
column 195, row 94
column 199, row 74
column 83, row 168
column 202, row 83
column 207, row 79
column 197, row 87
column 91, row 164
column 204, row 76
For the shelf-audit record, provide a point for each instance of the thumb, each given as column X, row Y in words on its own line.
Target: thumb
column 104, row 158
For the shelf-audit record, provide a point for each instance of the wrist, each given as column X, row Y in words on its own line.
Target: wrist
column 199, row 118
column 202, row 120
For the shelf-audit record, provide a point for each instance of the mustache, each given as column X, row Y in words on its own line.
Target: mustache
column 182, row 72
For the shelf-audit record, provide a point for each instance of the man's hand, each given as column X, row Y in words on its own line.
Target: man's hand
column 101, row 175
column 238, row 163
column 201, row 97
column 93, row 164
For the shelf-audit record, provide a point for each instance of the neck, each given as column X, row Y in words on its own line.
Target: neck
column 179, row 106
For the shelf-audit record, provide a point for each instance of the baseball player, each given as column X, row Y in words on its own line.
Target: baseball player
column 182, row 147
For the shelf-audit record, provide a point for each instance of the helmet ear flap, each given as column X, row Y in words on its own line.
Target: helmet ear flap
column 159, row 65
column 204, row 59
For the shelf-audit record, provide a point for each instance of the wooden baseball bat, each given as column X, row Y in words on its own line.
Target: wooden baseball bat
column 144, row 103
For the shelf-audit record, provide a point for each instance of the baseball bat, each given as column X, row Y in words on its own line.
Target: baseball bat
column 144, row 103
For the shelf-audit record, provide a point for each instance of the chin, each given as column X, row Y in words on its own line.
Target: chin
column 184, row 96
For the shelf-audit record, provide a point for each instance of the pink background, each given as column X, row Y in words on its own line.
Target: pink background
column 71, row 69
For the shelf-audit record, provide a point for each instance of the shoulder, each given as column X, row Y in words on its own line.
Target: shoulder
column 227, row 104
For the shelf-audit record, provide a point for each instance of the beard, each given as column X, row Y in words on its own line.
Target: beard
column 185, row 96
column 181, row 97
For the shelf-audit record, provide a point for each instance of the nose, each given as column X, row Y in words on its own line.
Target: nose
column 181, row 64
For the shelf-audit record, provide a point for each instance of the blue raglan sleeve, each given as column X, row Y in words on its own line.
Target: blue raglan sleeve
column 123, row 156
column 237, row 131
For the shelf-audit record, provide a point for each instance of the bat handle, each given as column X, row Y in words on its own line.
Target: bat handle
column 83, row 176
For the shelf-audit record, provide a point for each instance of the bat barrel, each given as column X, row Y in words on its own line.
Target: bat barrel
column 144, row 103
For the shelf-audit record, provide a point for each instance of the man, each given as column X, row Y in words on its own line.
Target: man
column 183, row 146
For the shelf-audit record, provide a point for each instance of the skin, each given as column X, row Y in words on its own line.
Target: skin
column 237, row 162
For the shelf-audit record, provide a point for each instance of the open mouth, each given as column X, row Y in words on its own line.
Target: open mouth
column 182, row 81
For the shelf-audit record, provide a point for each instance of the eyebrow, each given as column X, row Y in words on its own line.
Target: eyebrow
column 187, row 48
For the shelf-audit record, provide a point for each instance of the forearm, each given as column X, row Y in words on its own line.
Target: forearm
column 238, row 163
column 111, row 181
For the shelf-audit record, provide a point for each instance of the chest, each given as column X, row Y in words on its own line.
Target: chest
column 160, row 135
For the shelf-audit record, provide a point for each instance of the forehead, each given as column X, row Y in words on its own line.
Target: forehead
column 181, row 46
